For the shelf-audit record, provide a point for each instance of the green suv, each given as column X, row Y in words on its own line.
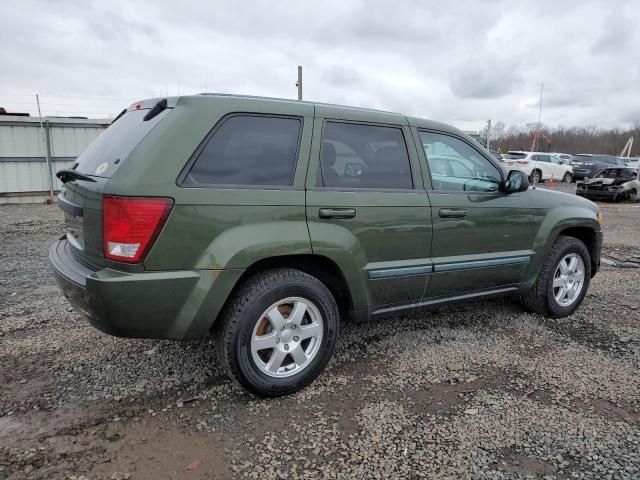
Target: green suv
column 268, row 222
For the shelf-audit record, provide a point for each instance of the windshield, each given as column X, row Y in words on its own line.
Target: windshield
column 616, row 173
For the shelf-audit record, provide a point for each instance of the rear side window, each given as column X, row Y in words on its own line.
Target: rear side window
column 364, row 156
column 248, row 150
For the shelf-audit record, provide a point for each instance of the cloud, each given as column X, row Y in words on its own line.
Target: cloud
column 476, row 79
column 459, row 62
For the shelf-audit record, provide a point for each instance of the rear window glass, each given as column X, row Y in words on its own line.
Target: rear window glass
column 248, row 150
column 116, row 143
column 514, row 156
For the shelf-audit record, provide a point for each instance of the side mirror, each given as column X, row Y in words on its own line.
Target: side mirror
column 516, row 181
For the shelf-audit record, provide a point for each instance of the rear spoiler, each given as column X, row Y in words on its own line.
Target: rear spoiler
column 154, row 105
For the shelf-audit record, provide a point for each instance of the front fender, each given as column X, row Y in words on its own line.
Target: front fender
column 555, row 221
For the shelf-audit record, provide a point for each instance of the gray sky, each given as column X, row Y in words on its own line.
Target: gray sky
column 460, row 62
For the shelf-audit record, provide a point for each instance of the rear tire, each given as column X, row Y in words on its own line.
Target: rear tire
column 535, row 176
column 567, row 178
column 632, row 196
column 277, row 332
column 542, row 298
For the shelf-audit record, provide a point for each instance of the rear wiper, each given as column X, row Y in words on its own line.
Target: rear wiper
column 67, row 174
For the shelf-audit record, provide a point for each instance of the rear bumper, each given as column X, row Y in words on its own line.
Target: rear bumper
column 173, row 304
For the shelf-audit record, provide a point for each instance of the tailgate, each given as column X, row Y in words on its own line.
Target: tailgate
column 81, row 196
column 81, row 202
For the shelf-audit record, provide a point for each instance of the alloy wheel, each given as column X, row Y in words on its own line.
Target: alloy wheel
column 287, row 337
column 568, row 279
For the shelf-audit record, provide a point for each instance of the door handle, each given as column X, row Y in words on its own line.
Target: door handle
column 337, row 213
column 453, row 212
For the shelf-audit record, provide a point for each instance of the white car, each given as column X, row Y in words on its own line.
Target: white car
column 539, row 166
column 565, row 157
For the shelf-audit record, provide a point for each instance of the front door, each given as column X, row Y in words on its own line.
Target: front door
column 482, row 238
column 366, row 208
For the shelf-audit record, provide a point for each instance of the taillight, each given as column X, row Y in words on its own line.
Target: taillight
column 130, row 225
column 523, row 162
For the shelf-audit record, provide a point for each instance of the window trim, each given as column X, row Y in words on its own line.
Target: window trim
column 464, row 140
column 181, row 178
column 320, row 186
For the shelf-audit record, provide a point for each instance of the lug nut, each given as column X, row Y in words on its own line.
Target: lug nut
column 296, row 338
column 286, row 346
column 277, row 340
column 293, row 326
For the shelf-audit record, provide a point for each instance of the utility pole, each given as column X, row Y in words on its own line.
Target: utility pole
column 537, row 135
column 47, row 147
column 488, row 134
column 299, row 82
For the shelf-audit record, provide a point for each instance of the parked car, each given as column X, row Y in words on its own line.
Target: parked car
column 539, row 166
column 268, row 223
column 564, row 157
column 496, row 154
column 633, row 162
column 619, row 183
column 588, row 164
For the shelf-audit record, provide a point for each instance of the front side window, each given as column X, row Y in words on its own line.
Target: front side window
column 364, row 156
column 248, row 150
column 457, row 166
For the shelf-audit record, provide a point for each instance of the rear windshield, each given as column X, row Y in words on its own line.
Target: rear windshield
column 115, row 143
column 514, row 155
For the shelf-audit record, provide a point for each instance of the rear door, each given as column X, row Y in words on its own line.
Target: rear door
column 558, row 168
column 482, row 238
column 366, row 208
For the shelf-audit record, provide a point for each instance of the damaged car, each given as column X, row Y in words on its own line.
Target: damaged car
column 611, row 184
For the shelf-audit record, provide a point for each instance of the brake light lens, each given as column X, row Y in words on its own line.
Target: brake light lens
column 523, row 162
column 130, row 225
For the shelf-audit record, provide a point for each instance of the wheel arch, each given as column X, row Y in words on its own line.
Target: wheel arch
column 572, row 221
column 586, row 235
column 318, row 266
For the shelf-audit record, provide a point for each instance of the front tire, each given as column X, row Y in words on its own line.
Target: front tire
column 563, row 280
column 278, row 332
column 567, row 178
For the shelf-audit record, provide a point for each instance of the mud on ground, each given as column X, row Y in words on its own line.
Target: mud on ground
column 478, row 391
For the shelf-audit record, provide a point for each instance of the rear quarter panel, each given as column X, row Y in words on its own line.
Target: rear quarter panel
column 216, row 227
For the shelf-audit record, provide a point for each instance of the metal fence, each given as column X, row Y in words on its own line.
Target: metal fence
column 24, row 146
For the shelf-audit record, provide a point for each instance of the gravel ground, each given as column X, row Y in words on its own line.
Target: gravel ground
column 477, row 391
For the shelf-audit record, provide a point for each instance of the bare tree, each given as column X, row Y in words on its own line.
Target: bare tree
column 590, row 139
